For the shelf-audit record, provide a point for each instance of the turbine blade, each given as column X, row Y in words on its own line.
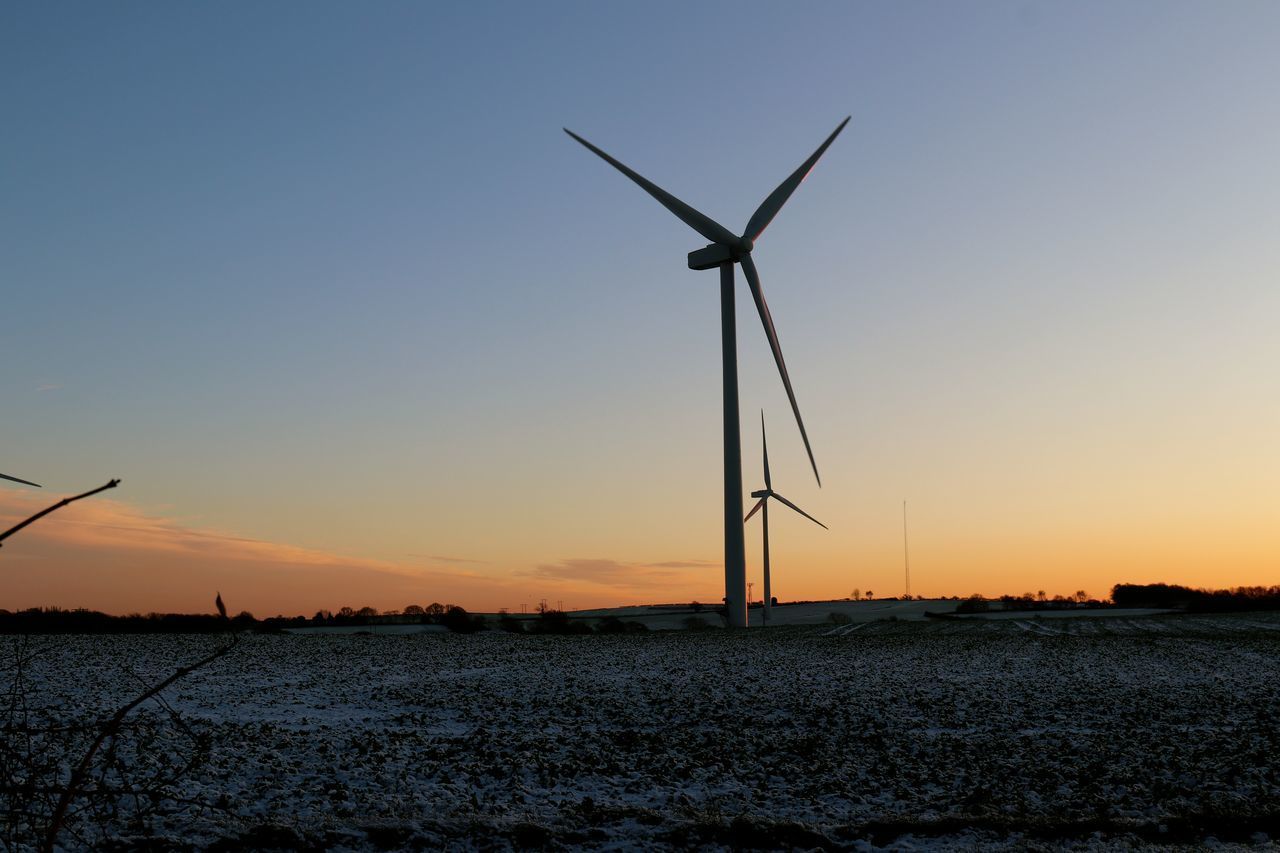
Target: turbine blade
column 770, row 206
column 799, row 510
column 754, row 509
column 764, row 443
column 753, row 281
column 698, row 221
column 24, row 482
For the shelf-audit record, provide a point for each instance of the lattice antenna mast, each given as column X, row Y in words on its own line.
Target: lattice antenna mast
column 906, row 551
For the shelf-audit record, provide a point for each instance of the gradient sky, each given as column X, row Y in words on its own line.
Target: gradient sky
column 356, row 323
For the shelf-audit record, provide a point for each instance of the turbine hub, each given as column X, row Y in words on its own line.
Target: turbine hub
column 744, row 246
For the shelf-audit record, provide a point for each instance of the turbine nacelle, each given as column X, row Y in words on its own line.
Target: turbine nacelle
column 714, row 254
column 710, row 257
column 763, row 493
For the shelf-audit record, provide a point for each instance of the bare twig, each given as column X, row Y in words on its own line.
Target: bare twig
column 163, row 703
column 59, row 505
column 81, row 772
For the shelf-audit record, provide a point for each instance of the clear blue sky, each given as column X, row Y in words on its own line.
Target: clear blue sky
column 331, row 274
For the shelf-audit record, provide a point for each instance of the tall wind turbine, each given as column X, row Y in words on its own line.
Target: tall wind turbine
column 725, row 250
column 24, row 482
column 763, row 504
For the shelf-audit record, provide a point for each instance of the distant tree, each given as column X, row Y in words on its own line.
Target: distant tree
column 552, row 621
column 322, row 616
column 870, row 594
column 458, row 620
column 414, row 610
column 367, row 611
column 1081, row 596
column 346, row 612
column 1040, row 596
column 856, row 595
column 435, row 609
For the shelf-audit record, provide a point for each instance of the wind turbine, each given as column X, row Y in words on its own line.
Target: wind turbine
column 24, row 482
column 763, row 504
column 725, row 250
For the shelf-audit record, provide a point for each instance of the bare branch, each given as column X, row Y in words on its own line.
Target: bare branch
column 59, row 505
column 81, row 772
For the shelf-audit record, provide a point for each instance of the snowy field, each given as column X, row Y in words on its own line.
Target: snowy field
column 1007, row 733
column 665, row 618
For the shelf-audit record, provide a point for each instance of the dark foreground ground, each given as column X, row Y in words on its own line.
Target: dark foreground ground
column 1055, row 734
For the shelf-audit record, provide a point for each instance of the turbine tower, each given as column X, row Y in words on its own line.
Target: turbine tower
column 763, row 504
column 725, row 250
column 24, row 482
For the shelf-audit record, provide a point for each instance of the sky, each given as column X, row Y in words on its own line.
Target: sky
column 356, row 324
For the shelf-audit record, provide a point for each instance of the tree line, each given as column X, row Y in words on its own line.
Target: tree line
column 54, row 620
column 1175, row 597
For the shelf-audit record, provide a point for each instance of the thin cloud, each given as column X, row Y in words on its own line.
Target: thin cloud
column 48, row 387
column 610, row 573
column 114, row 524
column 440, row 559
column 107, row 554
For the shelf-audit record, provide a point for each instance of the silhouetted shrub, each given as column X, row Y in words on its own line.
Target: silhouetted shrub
column 460, row 622
column 614, row 625
column 558, row 622
column 610, row 625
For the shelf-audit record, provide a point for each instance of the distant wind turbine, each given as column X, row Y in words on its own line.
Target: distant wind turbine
column 24, row 482
column 725, row 250
column 763, row 504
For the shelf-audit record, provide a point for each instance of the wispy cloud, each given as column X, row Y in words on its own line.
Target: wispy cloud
column 440, row 559
column 618, row 574
column 114, row 524
column 111, row 555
